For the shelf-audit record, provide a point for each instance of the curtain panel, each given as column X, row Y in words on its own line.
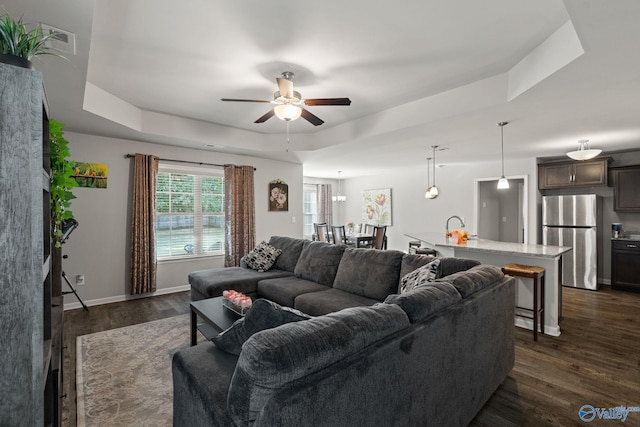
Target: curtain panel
column 325, row 206
column 143, row 236
column 240, row 222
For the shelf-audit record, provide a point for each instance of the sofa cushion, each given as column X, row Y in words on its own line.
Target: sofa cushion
column 262, row 257
column 262, row 315
column 329, row 300
column 291, row 248
column 270, row 359
column 205, row 400
column 369, row 273
column 475, row 279
column 448, row 265
column 425, row 300
column 211, row 282
column 451, row 265
column 319, row 262
column 426, row 273
column 285, row 289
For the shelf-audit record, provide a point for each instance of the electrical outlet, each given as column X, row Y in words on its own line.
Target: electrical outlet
column 293, row 219
column 80, row 280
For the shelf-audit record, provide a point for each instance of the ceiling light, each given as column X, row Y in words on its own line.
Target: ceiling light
column 339, row 198
column 287, row 112
column 583, row 152
column 432, row 192
column 503, row 183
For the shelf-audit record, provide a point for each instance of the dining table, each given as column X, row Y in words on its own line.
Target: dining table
column 358, row 240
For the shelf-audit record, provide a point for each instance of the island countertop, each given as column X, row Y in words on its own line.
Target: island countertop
column 483, row 245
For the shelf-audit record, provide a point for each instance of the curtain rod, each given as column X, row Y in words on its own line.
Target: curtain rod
column 129, row 156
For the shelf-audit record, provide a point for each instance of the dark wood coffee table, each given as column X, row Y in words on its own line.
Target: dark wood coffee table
column 215, row 318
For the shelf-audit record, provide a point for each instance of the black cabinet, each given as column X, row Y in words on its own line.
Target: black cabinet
column 588, row 173
column 625, row 265
column 626, row 184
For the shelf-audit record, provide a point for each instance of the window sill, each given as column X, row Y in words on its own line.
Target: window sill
column 189, row 258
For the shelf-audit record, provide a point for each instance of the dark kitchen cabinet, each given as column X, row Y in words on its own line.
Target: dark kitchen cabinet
column 588, row 173
column 626, row 184
column 625, row 265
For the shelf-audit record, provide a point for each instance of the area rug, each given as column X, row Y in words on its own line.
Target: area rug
column 123, row 376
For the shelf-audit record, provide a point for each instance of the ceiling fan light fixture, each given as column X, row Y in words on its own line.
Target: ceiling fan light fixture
column 287, row 112
column 584, row 152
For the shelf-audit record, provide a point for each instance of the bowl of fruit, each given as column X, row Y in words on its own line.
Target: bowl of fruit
column 458, row 236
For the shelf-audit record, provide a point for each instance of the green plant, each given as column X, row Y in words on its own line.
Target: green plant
column 16, row 40
column 61, row 180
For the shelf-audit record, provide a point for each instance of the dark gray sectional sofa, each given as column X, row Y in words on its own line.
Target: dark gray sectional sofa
column 369, row 356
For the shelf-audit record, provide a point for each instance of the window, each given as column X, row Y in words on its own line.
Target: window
column 189, row 211
column 310, row 209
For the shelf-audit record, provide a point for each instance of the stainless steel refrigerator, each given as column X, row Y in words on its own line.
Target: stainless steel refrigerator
column 573, row 221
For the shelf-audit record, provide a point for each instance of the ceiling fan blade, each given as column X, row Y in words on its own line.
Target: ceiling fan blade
column 285, row 87
column 265, row 117
column 311, row 118
column 327, row 101
column 246, row 100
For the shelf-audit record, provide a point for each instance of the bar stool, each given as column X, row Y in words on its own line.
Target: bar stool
column 414, row 248
column 537, row 274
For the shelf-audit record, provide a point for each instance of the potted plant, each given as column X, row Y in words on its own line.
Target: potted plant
column 18, row 44
column 61, row 180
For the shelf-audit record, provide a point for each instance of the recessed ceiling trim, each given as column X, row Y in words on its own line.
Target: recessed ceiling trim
column 558, row 50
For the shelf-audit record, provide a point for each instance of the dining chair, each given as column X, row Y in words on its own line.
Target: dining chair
column 367, row 228
column 378, row 236
column 339, row 234
column 322, row 232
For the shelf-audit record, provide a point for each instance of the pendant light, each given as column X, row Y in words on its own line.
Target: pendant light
column 503, row 183
column 432, row 192
column 583, row 152
column 339, row 198
column 427, row 194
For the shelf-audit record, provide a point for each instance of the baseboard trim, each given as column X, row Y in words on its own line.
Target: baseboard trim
column 120, row 298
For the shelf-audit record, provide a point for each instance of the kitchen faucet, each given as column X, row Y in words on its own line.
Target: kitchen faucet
column 458, row 218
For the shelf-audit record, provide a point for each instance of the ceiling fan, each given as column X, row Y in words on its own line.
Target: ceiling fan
column 289, row 104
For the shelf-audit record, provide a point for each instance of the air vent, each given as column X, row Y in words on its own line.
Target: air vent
column 63, row 41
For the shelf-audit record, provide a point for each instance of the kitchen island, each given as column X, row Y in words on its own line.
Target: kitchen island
column 501, row 253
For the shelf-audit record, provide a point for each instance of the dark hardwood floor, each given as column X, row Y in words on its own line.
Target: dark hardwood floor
column 595, row 361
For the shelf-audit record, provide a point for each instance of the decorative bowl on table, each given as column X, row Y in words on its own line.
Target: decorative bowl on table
column 236, row 301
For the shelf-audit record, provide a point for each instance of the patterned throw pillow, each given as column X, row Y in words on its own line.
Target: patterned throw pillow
column 262, row 257
column 426, row 273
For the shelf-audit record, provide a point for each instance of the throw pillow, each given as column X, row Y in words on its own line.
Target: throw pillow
column 262, row 257
column 263, row 314
column 426, row 273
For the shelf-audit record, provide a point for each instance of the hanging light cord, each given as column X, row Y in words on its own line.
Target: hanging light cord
column 502, row 145
column 288, row 141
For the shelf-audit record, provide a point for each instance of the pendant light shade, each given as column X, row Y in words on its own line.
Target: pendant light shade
column 503, row 182
column 432, row 192
column 584, row 152
column 339, row 198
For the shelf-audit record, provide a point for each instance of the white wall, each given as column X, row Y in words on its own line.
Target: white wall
column 413, row 213
column 99, row 247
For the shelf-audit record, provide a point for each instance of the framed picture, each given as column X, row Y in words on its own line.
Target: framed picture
column 278, row 196
column 91, row 175
column 376, row 206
